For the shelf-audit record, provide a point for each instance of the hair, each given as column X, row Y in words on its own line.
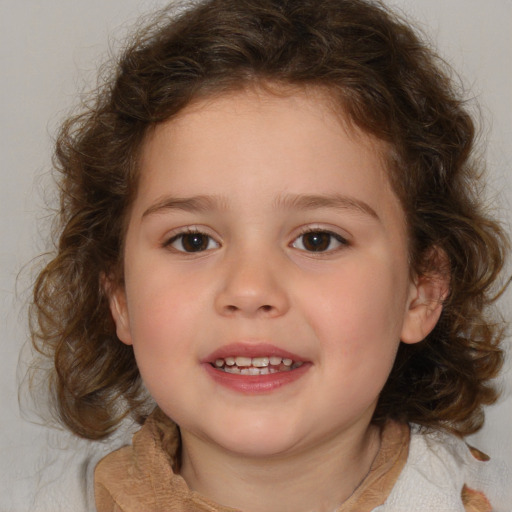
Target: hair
column 387, row 82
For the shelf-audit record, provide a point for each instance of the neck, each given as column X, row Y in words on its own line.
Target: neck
column 318, row 479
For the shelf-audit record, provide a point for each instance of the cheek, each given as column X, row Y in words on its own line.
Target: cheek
column 357, row 319
column 161, row 309
column 161, row 338
column 356, row 302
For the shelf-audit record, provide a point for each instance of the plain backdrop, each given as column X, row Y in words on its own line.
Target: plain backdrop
column 49, row 51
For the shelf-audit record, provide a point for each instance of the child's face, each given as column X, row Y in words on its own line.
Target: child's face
column 263, row 228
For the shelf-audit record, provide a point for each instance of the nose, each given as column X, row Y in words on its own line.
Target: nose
column 253, row 286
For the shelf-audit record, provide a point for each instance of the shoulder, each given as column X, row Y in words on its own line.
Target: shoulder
column 140, row 476
column 443, row 473
column 112, row 479
column 121, row 474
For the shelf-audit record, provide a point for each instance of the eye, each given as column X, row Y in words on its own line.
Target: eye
column 193, row 241
column 318, row 241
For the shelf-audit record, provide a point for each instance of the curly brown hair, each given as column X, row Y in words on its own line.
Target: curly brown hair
column 387, row 81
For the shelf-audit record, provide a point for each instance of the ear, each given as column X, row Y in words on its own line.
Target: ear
column 426, row 296
column 119, row 309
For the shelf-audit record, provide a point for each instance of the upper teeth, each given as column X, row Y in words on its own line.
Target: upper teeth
column 257, row 362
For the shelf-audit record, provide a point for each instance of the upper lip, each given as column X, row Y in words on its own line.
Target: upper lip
column 250, row 350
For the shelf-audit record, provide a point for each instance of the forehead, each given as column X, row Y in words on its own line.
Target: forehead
column 261, row 127
column 252, row 148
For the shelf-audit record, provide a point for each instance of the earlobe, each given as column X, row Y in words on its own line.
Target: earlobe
column 424, row 307
column 119, row 310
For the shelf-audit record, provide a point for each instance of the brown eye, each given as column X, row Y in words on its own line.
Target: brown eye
column 318, row 241
column 192, row 242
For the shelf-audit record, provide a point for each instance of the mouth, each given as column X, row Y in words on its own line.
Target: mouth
column 261, row 365
column 255, row 368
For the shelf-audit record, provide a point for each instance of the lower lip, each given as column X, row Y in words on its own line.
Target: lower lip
column 256, row 384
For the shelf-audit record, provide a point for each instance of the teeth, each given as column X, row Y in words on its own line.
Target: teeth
column 256, row 365
column 243, row 361
column 260, row 362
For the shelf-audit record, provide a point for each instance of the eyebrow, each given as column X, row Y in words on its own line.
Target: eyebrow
column 205, row 203
column 187, row 204
column 333, row 201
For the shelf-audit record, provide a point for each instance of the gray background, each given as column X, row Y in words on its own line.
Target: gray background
column 50, row 50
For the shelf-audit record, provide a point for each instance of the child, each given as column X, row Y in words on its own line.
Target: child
column 271, row 224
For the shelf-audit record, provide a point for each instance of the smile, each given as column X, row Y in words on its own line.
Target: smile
column 255, row 368
column 243, row 365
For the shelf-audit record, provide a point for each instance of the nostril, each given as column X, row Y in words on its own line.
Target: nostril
column 266, row 308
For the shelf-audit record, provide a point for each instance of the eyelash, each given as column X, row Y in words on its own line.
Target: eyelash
column 324, row 233
column 326, row 237
column 190, row 232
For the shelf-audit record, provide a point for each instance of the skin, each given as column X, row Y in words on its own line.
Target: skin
column 252, row 158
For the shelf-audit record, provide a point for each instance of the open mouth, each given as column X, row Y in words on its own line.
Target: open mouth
column 242, row 365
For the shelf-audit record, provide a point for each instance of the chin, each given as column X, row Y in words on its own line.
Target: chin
column 264, row 447
column 257, row 440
